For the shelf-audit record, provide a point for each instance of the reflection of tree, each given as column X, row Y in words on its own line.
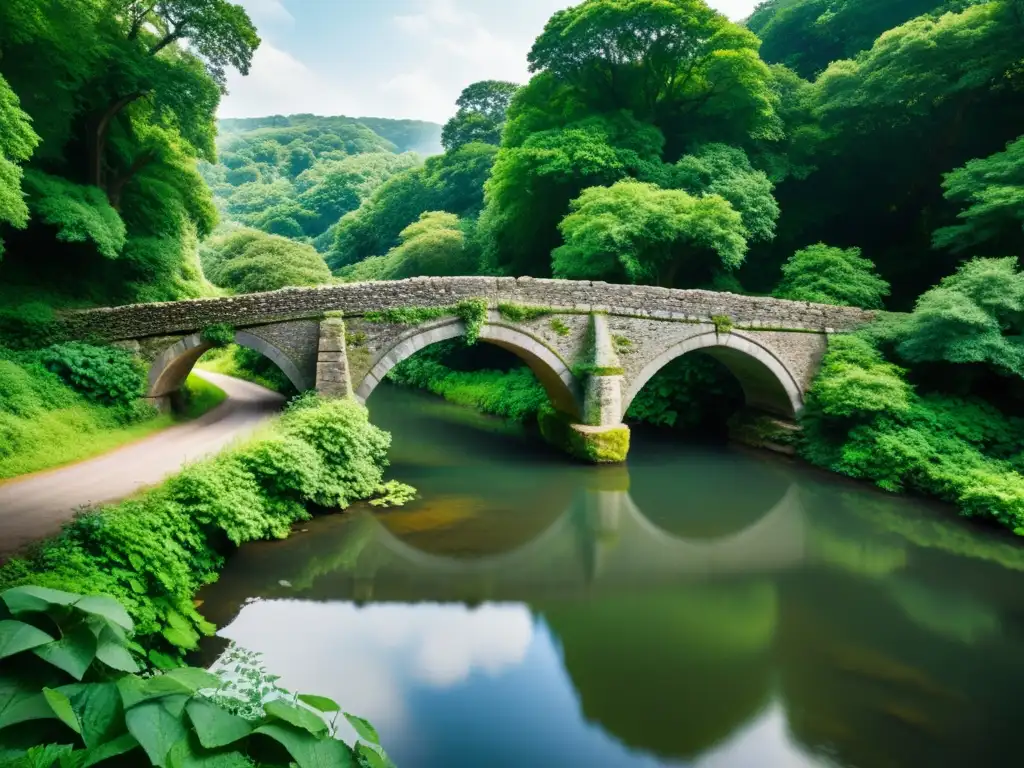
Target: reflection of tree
column 671, row 672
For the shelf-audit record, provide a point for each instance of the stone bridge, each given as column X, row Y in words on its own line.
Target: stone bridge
column 592, row 345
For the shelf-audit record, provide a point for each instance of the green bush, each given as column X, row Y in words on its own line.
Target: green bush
column 71, row 695
column 864, row 420
column 153, row 552
column 105, row 375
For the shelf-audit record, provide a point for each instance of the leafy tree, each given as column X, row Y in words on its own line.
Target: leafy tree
column 481, row 116
column 808, row 35
column 532, row 185
column 830, row 275
column 674, row 63
column 973, row 316
column 453, row 182
column 17, row 142
column 434, row 245
column 991, row 192
column 726, row 171
column 247, row 261
column 644, row 234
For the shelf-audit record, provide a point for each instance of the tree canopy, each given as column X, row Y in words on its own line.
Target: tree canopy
column 247, row 261
column 828, row 275
column 481, row 116
column 640, row 233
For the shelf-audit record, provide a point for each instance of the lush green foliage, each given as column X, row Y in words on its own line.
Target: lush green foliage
column 107, row 375
column 154, row 551
column 481, row 116
column 122, row 109
column 473, row 312
column 17, row 142
column 436, row 244
column 247, row 261
column 453, row 182
column 864, row 419
column 973, row 316
column 640, row 233
column 991, row 191
column 73, row 695
column 514, row 394
column 830, row 275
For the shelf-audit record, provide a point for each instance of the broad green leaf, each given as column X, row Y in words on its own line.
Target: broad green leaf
column 156, row 729
column 119, row 746
column 163, row 660
column 115, row 655
column 307, row 750
column 373, row 755
column 20, row 701
column 135, row 691
column 17, row 636
column 215, row 727
column 194, row 678
column 61, row 706
column 73, row 653
column 297, row 716
column 98, row 709
column 321, row 703
column 30, row 599
column 185, row 755
column 44, row 756
column 108, row 608
column 363, row 727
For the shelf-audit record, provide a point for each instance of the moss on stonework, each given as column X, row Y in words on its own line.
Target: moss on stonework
column 473, row 312
column 559, row 327
column 597, row 445
column 521, row 312
column 723, row 323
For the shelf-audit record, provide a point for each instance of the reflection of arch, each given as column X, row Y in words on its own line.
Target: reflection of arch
column 549, row 368
column 767, row 383
column 777, row 540
column 173, row 365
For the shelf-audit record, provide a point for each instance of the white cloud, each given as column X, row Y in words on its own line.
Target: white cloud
column 268, row 12
column 280, row 84
column 369, row 658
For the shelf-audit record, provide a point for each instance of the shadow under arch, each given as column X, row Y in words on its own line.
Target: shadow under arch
column 172, row 366
column 554, row 375
column 767, row 383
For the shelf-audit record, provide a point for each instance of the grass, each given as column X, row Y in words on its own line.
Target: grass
column 53, row 439
column 201, row 397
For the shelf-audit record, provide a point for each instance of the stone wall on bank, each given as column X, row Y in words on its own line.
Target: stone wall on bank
column 141, row 320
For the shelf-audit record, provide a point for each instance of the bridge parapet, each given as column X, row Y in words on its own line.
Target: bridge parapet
column 135, row 321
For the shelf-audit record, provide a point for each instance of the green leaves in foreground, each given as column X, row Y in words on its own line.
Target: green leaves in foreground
column 68, row 694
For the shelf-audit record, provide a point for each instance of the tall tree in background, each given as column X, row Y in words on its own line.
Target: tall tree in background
column 481, row 116
column 17, row 142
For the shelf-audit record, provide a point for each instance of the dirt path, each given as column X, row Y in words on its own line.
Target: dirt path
column 36, row 506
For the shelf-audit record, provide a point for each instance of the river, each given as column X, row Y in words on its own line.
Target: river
column 703, row 606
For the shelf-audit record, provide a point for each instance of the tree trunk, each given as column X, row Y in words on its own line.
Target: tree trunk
column 98, row 137
column 117, row 185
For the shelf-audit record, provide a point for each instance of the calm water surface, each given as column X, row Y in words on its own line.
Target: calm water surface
column 700, row 607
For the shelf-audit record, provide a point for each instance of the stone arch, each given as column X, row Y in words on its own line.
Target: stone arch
column 766, row 381
column 172, row 366
column 549, row 368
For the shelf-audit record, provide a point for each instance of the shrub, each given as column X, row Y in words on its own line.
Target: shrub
column 105, row 375
column 829, row 275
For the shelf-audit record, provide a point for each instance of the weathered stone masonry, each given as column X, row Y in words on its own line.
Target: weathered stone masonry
column 593, row 349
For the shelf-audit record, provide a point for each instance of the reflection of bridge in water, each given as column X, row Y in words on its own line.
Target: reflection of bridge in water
column 603, row 538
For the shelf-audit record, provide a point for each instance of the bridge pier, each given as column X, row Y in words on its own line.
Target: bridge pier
column 333, row 378
column 602, row 438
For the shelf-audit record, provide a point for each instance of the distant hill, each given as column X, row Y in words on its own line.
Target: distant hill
column 418, row 136
column 297, row 175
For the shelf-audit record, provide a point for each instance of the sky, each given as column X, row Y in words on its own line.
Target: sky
column 389, row 58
